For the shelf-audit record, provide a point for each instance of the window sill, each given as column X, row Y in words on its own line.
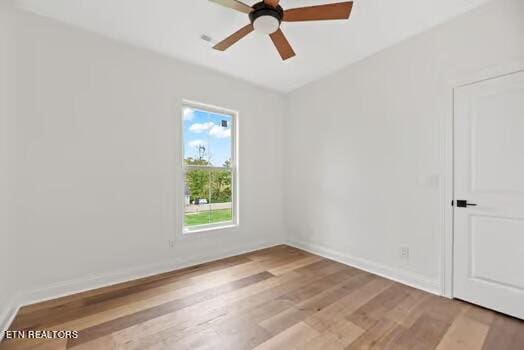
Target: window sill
column 191, row 232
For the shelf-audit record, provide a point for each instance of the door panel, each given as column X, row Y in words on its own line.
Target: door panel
column 497, row 141
column 502, row 238
column 489, row 172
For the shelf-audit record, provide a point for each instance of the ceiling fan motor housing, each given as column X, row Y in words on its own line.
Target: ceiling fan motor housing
column 266, row 19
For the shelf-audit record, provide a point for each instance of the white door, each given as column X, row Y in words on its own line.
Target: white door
column 489, row 172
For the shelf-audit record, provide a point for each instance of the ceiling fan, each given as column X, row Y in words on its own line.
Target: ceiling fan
column 267, row 16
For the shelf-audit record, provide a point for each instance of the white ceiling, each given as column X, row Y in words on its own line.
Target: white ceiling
column 174, row 27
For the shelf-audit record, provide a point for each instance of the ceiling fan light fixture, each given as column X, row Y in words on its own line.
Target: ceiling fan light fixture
column 266, row 19
column 266, row 24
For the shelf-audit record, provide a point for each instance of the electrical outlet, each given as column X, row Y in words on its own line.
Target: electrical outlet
column 404, row 253
column 171, row 244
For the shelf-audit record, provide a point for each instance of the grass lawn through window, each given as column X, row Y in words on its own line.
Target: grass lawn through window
column 208, row 217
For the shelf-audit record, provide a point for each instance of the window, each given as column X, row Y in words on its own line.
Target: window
column 210, row 168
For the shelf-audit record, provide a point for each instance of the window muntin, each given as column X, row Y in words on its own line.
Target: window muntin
column 209, row 168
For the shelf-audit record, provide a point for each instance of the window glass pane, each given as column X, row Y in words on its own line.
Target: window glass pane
column 196, row 193
column 208, row 156
column 207, row 138
column 208, row 196
column 221, row 204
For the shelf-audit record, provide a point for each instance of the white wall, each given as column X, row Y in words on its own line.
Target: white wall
column 6, row 111
column 364, row 163
column 358, row 155
column 97, row 152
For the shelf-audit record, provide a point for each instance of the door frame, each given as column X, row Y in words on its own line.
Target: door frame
column 448, row 171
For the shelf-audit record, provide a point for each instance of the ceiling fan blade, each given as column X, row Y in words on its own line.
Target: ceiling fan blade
column 284, row 48
column 233, row 38
column 235, row 5
column 273, row 3
column 340, row 10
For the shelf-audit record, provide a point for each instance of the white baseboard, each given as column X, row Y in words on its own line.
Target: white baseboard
column 402, row 276
column 95, row 281
column 8, row 312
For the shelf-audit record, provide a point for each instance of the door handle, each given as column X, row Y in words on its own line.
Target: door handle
column 464, row 204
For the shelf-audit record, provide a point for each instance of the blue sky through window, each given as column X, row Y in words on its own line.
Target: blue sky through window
column 207, row 134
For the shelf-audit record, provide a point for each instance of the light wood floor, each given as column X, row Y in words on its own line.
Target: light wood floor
column 277, row 298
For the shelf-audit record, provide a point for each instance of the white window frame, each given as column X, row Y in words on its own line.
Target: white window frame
column 234, row 169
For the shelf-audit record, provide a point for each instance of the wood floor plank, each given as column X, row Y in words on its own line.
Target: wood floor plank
column 505, row 333
column 337, row 311
column 168, row 287
column 238, row 310
column 236, row 305
column 333, row 294
column 104, row 343
column 375, row 309
column 464, row 333
column 320, row 268
column 390, row 339
column 325, row 341
column 164, row 339
column 154, row 312
column 117, row 309
column 246, row 336
column 205, row 340
column 480, row 314
column 272, row 253
column 318, row 286
column 408, row 306
column 34, row 344
column 425, row 333
column 80, row 298
column 346, row 332
column 292, row 338
column 294, row 265
column 307, row 301
column 275, row 298
column 285, row 320
column 278, row 292
column 373, row 336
